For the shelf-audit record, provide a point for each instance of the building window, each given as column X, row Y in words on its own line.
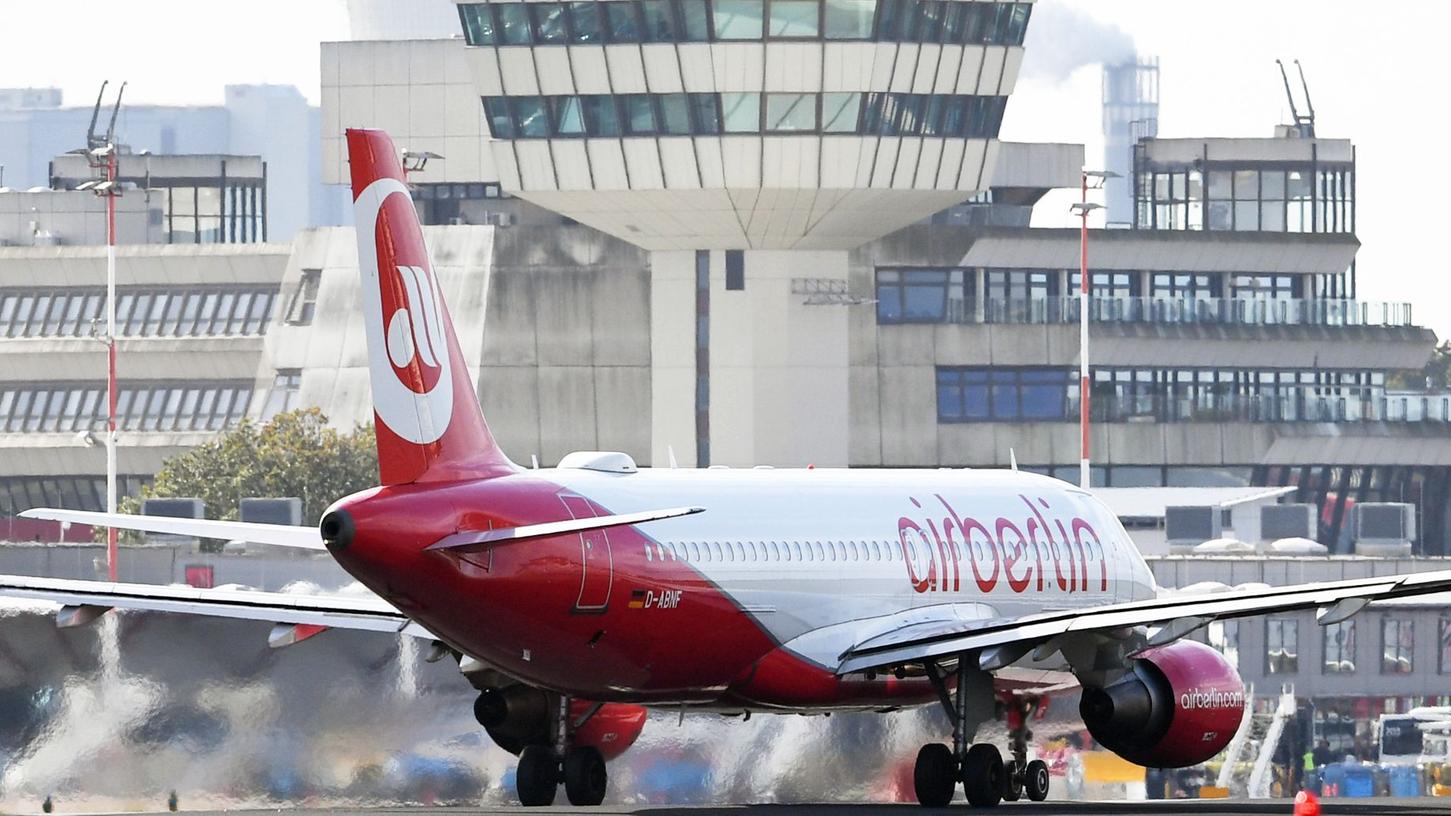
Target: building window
column 1443, row 664
column 304, row 300
column 139, row 312
column 1001, row 394
column 78, row 407
column 1339, row 647
column 735, row 270
column 923, row 295
column 1224, row 637
column 1398, row 643
column 534, row 117
column 283, row 397
column 1282, row 646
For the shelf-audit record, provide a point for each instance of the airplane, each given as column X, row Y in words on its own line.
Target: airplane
column 575, row 598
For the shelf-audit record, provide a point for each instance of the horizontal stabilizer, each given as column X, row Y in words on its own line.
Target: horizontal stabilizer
column 278, row 535
column 469, row 538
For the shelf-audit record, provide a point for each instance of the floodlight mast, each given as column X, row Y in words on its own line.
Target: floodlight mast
column 1082, row 209
column 101, row 154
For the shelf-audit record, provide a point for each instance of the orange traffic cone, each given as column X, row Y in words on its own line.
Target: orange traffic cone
column 1306, row 804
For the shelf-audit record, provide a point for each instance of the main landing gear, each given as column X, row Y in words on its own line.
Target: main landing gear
column 986, row 779
column 546, row 757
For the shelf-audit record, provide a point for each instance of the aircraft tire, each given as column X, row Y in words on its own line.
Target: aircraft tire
column 1012, row 781
column 982, row 775
column 1036, row 780
column 585, row 776
column 536, row 777
column 934, row 778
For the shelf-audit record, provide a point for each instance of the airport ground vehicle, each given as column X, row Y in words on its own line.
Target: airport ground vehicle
column 573, row 596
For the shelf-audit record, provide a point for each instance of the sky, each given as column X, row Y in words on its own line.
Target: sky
column 1376, row 71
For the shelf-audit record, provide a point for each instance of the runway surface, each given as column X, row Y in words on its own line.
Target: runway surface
column 1276, row 807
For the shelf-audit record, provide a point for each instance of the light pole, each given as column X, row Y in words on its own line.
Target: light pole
column 101, row 154
column 1082, row 209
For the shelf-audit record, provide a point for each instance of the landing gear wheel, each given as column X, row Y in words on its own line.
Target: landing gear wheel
column 982, row 775
column 1035, row 782
column 585, row 778
column 537, row 776
column 935, row 776
column 1012, row 781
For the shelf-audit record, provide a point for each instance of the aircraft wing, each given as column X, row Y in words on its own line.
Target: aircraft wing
column 295, row 616
column 279, row 535
column 1001, row 641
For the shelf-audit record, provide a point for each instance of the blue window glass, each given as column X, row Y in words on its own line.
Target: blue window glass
column 975, row 404
column 705, row 113
column 1004, row 394
column 1018, row 25
column 478, row 23
column 568, row 117
column 674, row 115
column 929, row 20
column 624, row 26
column 513, row 23
column 790, row 112
column 738, row 19
column 932, row 121
column 888, row 22
column 840, row 111
column 1001, row 22
column 659, row 23
column 973, row 16
column 496, row 110
column 954, row 22
column 694, row 19
column 529, row 116
column 949, row 395
column 850, row 19
column 548, row 22
column 954, row 116
column 584, row 22
column 600, row 115
column 910, row 110
column 741, row 112
column 889, row 305
column 639, row 114
column 795, row 18
column 1044, row 394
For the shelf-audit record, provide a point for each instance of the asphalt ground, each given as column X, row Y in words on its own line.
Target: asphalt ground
column 1276, row 807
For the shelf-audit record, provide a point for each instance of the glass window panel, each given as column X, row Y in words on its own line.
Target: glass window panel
column 568, row 118
column 7, row 314
column 548, row 22
column 639, row 114
column 1246, row 216
column 741, row 112
column 659, row 21
column 529, row 116
column 694, row 17
column 795, row 18
column 738, row 19
column 1246, row 184
column 152, row 326
column 600, row 116
column 1339, row 647
column 929, row 20
column 514, row 23
column 170, row 410
column 224, row 312
column 1018, row 23
column 151, row 417
column 205, row 407
column 705, row 111
column 887, row 19
column 674, row 114
column 790, row 112
column 496, row 111
column 840, row 112
column 623, row 24
column 478, row 23
column 138, row 314
column 851, row 19
column 584, row 22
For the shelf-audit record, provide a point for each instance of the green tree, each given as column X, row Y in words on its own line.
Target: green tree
column 1436, row 374
column 293, row 454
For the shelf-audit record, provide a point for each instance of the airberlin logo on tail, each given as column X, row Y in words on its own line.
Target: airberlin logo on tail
column 1027, row 554
column 408, row 353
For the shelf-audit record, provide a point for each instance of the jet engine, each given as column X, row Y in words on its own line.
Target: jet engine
column 1178, row 705
column 518, row 715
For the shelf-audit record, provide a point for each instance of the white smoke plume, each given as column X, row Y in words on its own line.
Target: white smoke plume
column 1062, row 39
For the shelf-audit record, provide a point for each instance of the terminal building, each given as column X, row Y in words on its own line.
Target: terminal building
column 732, row 233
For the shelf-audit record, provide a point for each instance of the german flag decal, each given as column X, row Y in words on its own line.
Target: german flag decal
column 637, row 599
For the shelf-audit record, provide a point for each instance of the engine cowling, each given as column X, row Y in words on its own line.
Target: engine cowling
column 1178, row 705
column 517, row 716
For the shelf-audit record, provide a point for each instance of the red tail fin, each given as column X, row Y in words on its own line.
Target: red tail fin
column 429, row 424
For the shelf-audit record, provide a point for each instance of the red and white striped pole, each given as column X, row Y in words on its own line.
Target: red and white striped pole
column 111, row 390
column 1083, row 407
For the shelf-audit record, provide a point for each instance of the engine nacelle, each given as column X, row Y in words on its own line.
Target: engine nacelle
column 519, row 715
column 1179, row 705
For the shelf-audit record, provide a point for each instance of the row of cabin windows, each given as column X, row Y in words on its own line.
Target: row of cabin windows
column 783, row 551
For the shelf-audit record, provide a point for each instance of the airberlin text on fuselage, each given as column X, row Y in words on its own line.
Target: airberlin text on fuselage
column 1027, row 554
